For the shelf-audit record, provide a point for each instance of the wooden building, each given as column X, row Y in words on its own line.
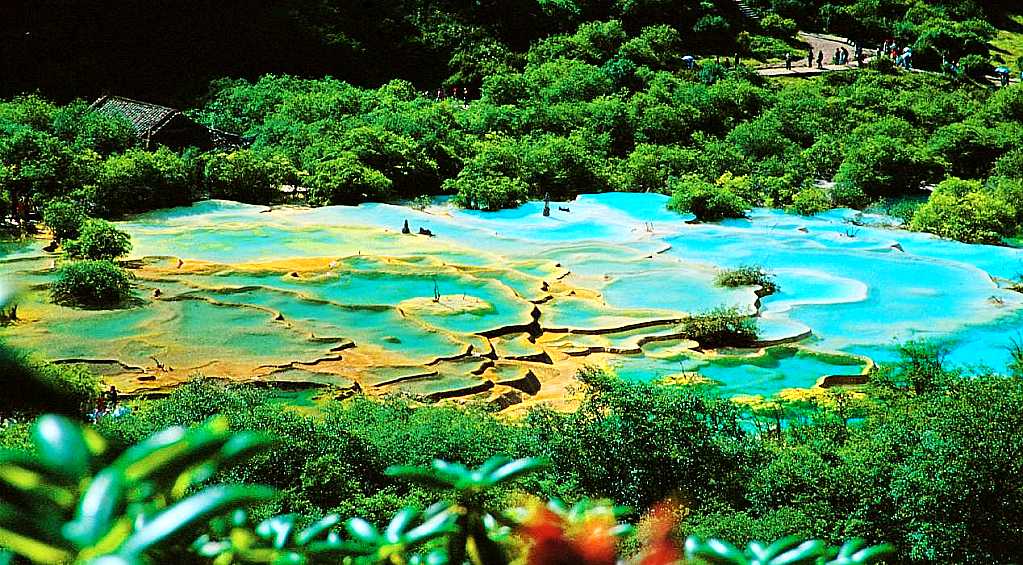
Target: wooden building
column 160, row 125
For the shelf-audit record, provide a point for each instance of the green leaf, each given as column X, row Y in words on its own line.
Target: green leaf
column 423, row 476
column 278, row 529
column 864, row 556
column 779, row 546
column 35, row 550
column 439, row 524
column 243, row 445
column 480, row 473
column 401, row 520
column 98, row 509
column 363, row 531
column 515, row 469
column 714, row 551
column 805, row 553
column 456, row 474
column 184, row 514
column 62, row 446
column 316, row 529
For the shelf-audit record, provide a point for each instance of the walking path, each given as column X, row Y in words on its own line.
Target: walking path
column 819, row 42
column 828, row 43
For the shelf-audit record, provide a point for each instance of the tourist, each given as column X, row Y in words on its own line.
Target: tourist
column 788, row 60
column 405, row 229
column 820, row 60
column 809, row 58
column 836, row 59
column 845, row 56
column 113, row 397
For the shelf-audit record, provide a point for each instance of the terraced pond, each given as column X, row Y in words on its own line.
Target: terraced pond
column 507, row 306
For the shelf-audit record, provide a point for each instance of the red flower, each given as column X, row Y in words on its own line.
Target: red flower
column 555, row 542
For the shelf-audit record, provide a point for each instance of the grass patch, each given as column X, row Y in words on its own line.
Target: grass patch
column 1007, row 46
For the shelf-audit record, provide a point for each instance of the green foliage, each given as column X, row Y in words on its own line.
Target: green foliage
column 778, row 26
column 346, row 180
column 92, row 284
column 882, row 165
column 720, row 327
column 470, row 536
column 65, row 218
column 964, row 210
column 36, row 386
column 748, row 275
column 97, row 240
column 481, row 193
column 811, row 201
column 707, row 201
column 279, row 539
column 245, row 176
column 76, row 499
column 786, row 551
column 138, row 180
column 96, row 131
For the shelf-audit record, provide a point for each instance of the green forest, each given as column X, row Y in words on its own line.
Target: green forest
column 494, row 104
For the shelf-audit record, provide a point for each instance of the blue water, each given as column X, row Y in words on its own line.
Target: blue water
column 613, row 260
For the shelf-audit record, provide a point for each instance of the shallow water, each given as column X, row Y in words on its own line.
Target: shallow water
column 337, row 296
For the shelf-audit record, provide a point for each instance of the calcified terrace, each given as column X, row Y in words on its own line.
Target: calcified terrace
column 506, row 307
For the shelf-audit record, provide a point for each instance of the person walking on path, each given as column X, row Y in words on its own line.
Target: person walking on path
column 788, row 60
column 809, row 58
column 820, row 60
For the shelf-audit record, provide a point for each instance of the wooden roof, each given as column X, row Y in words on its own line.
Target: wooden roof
column 145, row 118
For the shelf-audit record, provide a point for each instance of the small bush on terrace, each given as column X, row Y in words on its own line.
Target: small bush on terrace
column 93, row 284
column 721, row 327
column 98, row 240
column 747, row 275
column 64, row 218
column 707, row 201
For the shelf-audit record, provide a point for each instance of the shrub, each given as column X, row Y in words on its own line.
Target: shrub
column 778, row 26
column 962, row 210
column 882, row 165
column 137, row 180
column 98, row 239
column 488, row 193
column 721, row 327
column 1009, row 165
column 245, row 176
column 64, row 218
column 747, row 275
column 975, row 66
column 346, row 180
column 812, row 200
column 92, row 284
column 33, row 385
column 707, row 201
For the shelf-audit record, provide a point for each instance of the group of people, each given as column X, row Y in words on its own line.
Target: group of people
column 840, row 57
column 456, row 93
column 107, row 403
column 903, row 58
